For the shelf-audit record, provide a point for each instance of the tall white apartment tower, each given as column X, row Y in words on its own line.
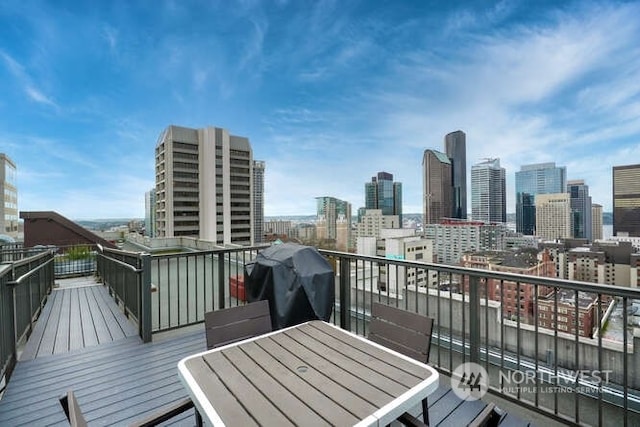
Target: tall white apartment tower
column 204, row 185
column 488, row 192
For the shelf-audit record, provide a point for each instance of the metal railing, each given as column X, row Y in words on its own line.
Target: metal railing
column 168, row 291
column 567, row 349
column 562, row 348
column 75, row 260
column 24, row 287
column 126, row 274
column 189, row 284
column 490, row 318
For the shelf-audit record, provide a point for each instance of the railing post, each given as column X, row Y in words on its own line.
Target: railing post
column 474, row 319
column 221, row 284
column 145, row 297
column 345, row 294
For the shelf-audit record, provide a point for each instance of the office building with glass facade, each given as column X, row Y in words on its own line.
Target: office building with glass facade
column 531, row 180
column 488, row 192
column 626, row 200
column 580, row 209
column 456, row 149
column 437, row 186
column 384, row 194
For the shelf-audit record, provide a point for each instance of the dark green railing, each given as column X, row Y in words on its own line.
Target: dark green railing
column 24, row 287
column 126, row 274
column 75, row 260
column 189, row 284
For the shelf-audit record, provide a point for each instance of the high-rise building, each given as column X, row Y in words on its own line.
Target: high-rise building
column 373, row 221
column 204, row 185
column 384, row 194
column 488, row 192
column 596, row 221
column 258, row 201
column 553, row 216
column 531, row 180
column 437, row 187
column 626, row 200
column 525, row 214
column 456, row 149
column 150, row 213
column 334, row 221
column 278, row 227
column 453, row 237
column 9, row 207
column 580, row 209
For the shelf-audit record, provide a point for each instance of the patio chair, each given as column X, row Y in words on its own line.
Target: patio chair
column 407, row 333
column 489, row 417
column 233, row 324
column 76, row 418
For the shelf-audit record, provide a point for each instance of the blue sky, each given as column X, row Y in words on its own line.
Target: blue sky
column 328, row 92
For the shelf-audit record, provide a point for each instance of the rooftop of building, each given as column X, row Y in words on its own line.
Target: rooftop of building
column 568, row 297
column 519, row 258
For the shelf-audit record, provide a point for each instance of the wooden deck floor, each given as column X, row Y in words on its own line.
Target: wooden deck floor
column 117, row 379
column 79, row 313
column 116, row 383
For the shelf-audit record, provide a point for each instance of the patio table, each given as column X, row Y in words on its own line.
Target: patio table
column 311, row 374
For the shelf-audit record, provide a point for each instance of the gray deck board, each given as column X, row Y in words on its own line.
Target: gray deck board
column 61, row 344
column 99, row 323
column 115, row 384
column 48, row 342
column 78, row 315
column 30, row 350
column 89, row 333
column 76, row 339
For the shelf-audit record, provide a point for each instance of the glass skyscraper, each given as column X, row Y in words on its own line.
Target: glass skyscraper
column 456, row 149
column 488, row 192
column 540, row 178
column 437, row 188
column 384, row 194
column 580, row 209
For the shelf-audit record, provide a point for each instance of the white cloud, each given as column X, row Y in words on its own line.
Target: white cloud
column 38, row 96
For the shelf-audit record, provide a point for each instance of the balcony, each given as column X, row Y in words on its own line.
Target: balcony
column 152, row 308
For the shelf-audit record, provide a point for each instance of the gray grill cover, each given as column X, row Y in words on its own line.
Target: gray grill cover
column 297, row 281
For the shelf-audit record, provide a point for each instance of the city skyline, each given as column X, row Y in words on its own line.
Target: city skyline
column 327, row 93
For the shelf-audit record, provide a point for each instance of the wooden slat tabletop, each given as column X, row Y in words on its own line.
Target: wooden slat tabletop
column 311, row 374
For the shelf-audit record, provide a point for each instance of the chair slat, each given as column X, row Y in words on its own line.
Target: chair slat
column 409, row 332
column 237, row 323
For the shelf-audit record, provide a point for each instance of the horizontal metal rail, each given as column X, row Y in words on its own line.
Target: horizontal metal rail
column 24, row 287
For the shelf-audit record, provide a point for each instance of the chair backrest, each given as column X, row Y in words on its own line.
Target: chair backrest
column 233, row 324
column 72, row 410
column 400, row 330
